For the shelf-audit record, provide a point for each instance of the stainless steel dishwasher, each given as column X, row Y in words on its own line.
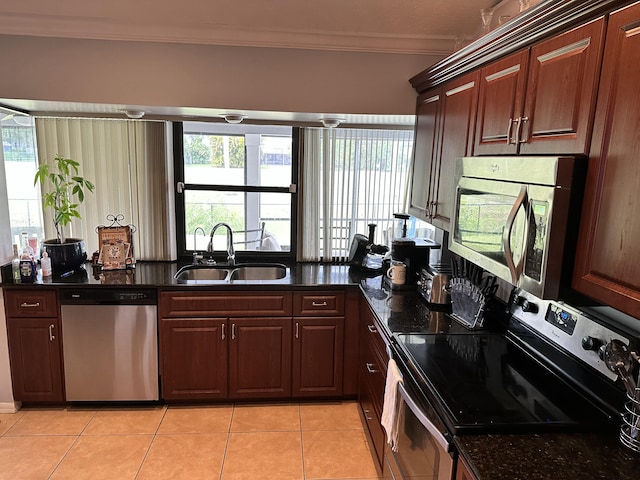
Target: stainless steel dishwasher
column 110, row 344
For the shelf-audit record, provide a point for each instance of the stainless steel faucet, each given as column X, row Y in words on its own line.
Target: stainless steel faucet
column 231, row 254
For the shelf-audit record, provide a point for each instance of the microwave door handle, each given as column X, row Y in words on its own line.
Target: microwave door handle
column 422, row 418
column 516, row 270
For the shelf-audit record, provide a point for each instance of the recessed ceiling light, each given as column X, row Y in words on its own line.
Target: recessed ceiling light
column 134, row 113
column 234, row 118
column 331, row 122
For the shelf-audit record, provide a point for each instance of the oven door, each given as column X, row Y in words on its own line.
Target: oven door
column 423, row 451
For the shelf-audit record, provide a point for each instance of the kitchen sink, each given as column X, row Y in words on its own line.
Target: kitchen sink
column 259, row 272
column 203, row 273
column 227, row 273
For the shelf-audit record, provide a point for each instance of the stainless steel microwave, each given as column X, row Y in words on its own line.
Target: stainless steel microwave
column 517, row 217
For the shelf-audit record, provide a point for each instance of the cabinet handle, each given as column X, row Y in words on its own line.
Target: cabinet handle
column 372, row 328
column 370, row 368
column 319, row 304
column 366, row 415
column 223, row 336
column 509, row 128
column 52, row 337
column 297, row 330
column 30, row 305
column 233, row 331
column 519, row 130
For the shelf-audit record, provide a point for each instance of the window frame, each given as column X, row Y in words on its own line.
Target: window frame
column 185, row 254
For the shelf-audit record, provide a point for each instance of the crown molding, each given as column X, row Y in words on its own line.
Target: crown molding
column 58, row 26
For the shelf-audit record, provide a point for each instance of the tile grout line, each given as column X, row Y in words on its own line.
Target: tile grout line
column 75, row 441
column 153, row 439
column 226, row 445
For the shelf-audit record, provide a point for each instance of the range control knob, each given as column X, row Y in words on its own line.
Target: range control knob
column 528, row 306
column 591, row 343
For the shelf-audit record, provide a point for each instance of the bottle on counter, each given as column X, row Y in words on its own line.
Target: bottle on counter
column 15, row 264
column 45, row 265
column 27, row 261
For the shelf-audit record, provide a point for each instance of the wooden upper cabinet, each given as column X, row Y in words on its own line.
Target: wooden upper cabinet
column 607, row 267
column 500, row 103
column 561, row 92
column 425, row 151
column 458, row 115
column 541, row 100
column 445, row 121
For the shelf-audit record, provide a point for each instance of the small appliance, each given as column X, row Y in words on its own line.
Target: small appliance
column 432, row 284
column 414, row 253
column 365, row 255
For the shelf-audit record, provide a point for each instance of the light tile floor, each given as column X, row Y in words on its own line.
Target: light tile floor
column 228, row 442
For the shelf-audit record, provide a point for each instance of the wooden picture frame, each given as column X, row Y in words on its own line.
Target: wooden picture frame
column 115, row 245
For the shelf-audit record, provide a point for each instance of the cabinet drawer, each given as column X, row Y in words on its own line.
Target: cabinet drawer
column 373, row 371
column 32, row 303
column 318, row 303
column 201, row 304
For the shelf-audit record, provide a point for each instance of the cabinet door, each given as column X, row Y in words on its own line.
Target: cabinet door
column 463, row 472
column 607, row 267
column 500, row 104
column 318, row 356
column 425, row 152
column 36, row 362
column 193, row 358
column 260, row 357
column 561, row 92
column 458, row 115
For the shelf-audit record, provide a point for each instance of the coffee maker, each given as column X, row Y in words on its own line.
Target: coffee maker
column 412, row 252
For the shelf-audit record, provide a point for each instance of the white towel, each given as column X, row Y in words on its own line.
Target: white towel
column 391, row 408
column 270, row 243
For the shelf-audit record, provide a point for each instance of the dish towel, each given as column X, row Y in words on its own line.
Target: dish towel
column 391, row 407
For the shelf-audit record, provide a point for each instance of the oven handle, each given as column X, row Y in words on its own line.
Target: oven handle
column 437, row 435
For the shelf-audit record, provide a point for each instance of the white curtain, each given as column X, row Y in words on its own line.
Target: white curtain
column 350, row 178
column 129, row 163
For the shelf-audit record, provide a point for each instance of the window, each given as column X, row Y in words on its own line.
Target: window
column 241, row 175
column 21, row 162
column 352, row 177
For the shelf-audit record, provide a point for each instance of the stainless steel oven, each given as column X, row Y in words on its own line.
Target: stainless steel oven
column 512, row 217
column 424, row 446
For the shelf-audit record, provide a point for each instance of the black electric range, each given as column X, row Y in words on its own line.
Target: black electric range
column 535, row 376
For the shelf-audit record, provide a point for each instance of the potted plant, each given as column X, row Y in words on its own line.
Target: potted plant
column 66, row 192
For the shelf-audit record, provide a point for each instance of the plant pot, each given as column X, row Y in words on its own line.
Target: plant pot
column 65, row 257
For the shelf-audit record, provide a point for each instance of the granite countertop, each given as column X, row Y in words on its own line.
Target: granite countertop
column 551, row 456
column 503, row 456
column 161, row 274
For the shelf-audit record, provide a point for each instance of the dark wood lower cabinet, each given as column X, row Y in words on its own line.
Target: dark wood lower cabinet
column 318, row 356
column 193, row 358
column 373, row 374
column 36, row 359
column 260, row 357
column 463, row 472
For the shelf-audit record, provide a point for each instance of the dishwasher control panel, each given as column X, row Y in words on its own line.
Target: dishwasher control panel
column 108, row 296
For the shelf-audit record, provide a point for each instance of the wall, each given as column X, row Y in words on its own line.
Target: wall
column 271, row 79
column 6, row 253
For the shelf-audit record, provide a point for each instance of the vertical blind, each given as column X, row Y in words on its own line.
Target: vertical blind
column 128, row 163
column 350, row 178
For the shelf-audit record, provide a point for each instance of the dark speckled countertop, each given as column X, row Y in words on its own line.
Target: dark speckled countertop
column 161, row 274
column 552, row 456
column 570, row 456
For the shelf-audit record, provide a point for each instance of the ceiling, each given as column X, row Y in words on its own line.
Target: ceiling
column 388, row 26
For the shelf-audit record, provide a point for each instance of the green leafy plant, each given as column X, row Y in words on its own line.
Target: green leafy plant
column 67, row 191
